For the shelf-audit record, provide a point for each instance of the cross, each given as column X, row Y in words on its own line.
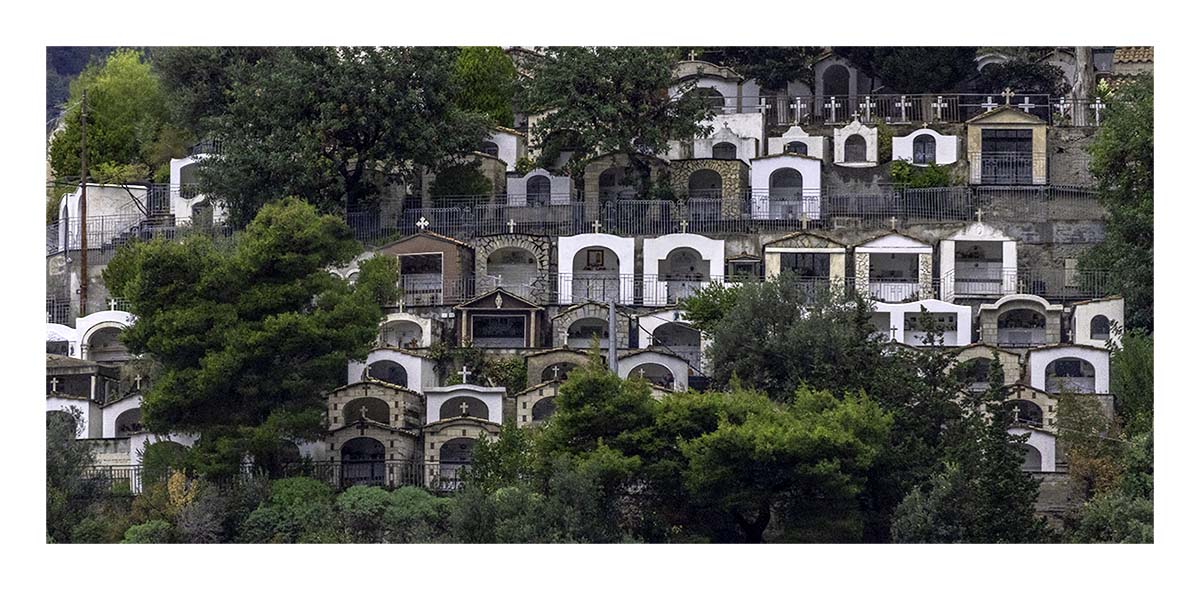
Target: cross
column 511, row 225
column 1097, row 107
column 1062, row 106
column 596, row 226
column 137, row 382
column 866, row 105
column 979, row 215
column 683, row 226
column 554, row 370
column 565, row 334
column 112, row 304
column 463, row 407
column 54, row 384
column 904, row 104
column 989, row 104
column 893, row 333
column 832, row 107
column 894, row 220
column 642, row 373
column 692, row 55
column 1026, row 105
column 465, row 373
column 804, row 219
column 855, row 115
column 422, row 223
column 1008, row 94
column 363, row 412
column 937, row 108
column 800, row 106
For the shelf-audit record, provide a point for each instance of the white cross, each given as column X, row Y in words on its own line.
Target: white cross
column 866, row 105
column 832, row 107
column 565, row 334
column 855, row 115
column 463, row 406
column 511, row 225
column 465, row 373
column 422, row 223
column 554, row 370
column 1097, row 107
column 54, row 384
column 692, row 55
column 1008, row 94
column 363, row 412
column 937, row 108
column 904, row 104
column 1026, row 105
column 112, row 304
column 804, row 219
column 683, row 226
column 1062, row 106
column 894, row 222
column 800, row 105
column 642, row 373
column 979, row 215
column 596, row 226
column 137, row 382
column 990, row 104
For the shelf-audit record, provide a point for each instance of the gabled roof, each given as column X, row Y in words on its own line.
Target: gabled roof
column 503, row 295
column 486, row 424
column 426, row 234
column 639, row 351
column 58, row 361
column 560, row 349
column 893, row 232
column 1008, row 111
column 1067, row 345
column 507, row 130
column 1133, row 55
column 370, row 381
column 802, row 233
column 541, row 385
column 366, row 423
column 991, row 347
column 787, row 155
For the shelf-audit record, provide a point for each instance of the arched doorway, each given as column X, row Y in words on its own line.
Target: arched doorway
column 543, row 409
column 104, row 346
column 581, row 332
column 684, row 271
column 537, row 191
column 1033, row 459
column 401, row 334
column 1070, row 375
column 855, row 150
column 463, row 406
column 363, row 462
column 595, row 275
column 1020, row 328
column 389, row 371
column 618, row 183
column 129, row 423
column 704, row 184
column 366, row 408
column 654, row 373
column 515, row 269
column 924, row 150
column 786, row 194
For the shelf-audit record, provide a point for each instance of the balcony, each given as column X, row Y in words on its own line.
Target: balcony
column 1053, row 284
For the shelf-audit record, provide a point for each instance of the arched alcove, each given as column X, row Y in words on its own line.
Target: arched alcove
column 1070, row 375
column 129, row 422
column 389, row 371
column 855, row 149
column 363, row 462
column 537, row 191
column 704, row 184
column 463, row 405
column 786, row 184
column 543, row 409
column 654, row 373
column 369, row 408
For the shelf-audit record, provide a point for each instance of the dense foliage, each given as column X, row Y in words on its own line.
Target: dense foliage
column 915, row 70
column 485, row 81
column 249, row 334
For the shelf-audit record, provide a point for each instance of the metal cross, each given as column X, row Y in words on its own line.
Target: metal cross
column 511, row 225
column 1097, row 107
column 937, row 108
column 1008, row 94
column 804, row 219
column 832, row 107
column 54, row 384
column 990, row 104
column 1062, row 106
column 137, row 382
column 979, row 215
column 596, row 226
column 894, row 220
column 463, row 407
column 683, row 226
column 465, row 373
column 1026, row 105
column 904, row 104
column 692, row 55
column 866, row 105
column 422, row 223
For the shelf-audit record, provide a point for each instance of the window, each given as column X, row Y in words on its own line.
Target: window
column 855, row 149
column 798, row 148
column 490, row 149
column 724, row 151
column 537, row 191
column 1100, row 328
column 924, row 150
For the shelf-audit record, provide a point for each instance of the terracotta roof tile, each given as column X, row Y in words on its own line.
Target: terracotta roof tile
column 1133, row 55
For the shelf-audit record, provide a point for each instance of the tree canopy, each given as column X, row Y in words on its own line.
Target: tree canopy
column 248, row 335
column 485, row 81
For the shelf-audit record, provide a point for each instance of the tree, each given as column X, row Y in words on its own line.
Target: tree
column 66, row 460
column 915, row 70
column 485, row 81
column 1132, row 380
column 1023, row 72
column 334, row 125
column 772, row 67
column 1123, row 165
column 248, row 336
column 127, row 116
column 1126, row 513
column 199, row 80
column 615, row 100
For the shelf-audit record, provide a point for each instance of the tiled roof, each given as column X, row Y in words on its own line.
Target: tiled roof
column 1133, row 55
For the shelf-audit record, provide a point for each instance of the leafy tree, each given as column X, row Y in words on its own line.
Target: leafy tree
column 459, row 179
column 1023, row 72
column 1132, row 378
column 1126, row 513
column 1123, row 165
column 127, row 115
column 199, row 80
column 63, row 64
column 333, row 125
column 595, row 408
column 485, row 81
column 248, row 335
column 706, row 307
column 154, row 531
column 66, row 460
column 915, row 70
column 615, row 100
column 1091, row 443
column 771, row 67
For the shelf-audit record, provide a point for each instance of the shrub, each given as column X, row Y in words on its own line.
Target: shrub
column 360, row 510
column 155, row 531
column 416, row 516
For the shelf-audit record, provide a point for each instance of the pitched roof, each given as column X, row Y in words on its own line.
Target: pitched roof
column 428, row 234
column 1006, row 109
column 1133, row 55
column 498, row 290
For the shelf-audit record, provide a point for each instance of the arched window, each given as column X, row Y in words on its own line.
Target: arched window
column 836, row 80
column 974, row 373
column 368, row 408
column 1026, row 412
column 704, row 184
column 543, row 409
column 924, row 149
column 129, row 422
column 389, row 371
column 558, row 371
column 1070, row 375
column 798, row 148
column 1101, row 328
column 537, row 191
column 654, row 373
column 463, row 406
column 490, row 148
column 457, row 451
column 855, row 149
column 1033, row 459
column 786, row 184
column 724, row 151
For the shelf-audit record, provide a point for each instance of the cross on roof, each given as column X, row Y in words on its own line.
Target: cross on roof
column 893, row 333
column 1008, row 94
column 464, row 373
column 54, row 384
column 596, row 226
column 894, row 220
column 903, row 104
column 511, row 225
column 683, row 226
column 137, row 382
column 463, row 407
column 867, row 104
column 804, row 219
column 692, row 55
column 422, row 223
column 112, row 304
column 938, row 105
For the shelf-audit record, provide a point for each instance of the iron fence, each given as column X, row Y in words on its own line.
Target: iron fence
column 1052, row 283
column 387, row 474
column 915, row 108
column 59, row 311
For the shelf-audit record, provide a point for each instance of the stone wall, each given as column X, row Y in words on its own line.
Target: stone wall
column 1067, row 156
column 587, row 310
column 735, row 179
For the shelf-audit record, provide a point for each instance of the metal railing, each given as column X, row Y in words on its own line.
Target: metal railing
column 388, row 474
column 59, row 311
column 1007, row 168
column 915, row 108
column 1058, row 284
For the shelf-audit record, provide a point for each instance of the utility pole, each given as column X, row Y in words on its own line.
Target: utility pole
column 83, row 178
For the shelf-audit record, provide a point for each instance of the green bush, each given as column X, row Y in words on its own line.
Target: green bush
column 416, row 516
column 360, row 510
column 154, row 531
column 906, row 173
column 158, row 459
